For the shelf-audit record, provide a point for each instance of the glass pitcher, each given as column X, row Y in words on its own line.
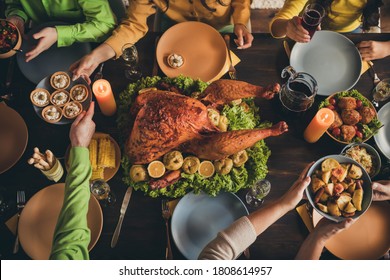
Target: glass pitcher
column 297, row 94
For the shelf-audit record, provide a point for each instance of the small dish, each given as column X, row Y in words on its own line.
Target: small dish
column 72, row 109
column 79, row 93
column 52, row 114
column 59, row 98
column 60, row 80
column 356, row 152
column 40, row 97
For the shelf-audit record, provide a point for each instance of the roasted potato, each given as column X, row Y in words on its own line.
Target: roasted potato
column 223, row 123
column 343, row 200
column 355, row 172
column 357, row 198
column 326, row 176
column 214, row 116
column 316, row 184
column 223, row 166
column 329, row 164
column 349, row 208
column 240, row 158
column 324, row 197
column 322, row 207
column 190, row 165
column 173, row 160
column 138, row 173
column 329, row 188
column 333, row 208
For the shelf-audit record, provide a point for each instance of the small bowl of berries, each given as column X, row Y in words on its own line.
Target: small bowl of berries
column 10, row 39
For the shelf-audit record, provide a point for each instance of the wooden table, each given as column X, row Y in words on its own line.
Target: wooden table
column 143, row 231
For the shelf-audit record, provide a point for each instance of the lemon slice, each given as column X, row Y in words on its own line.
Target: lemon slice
column 156, row 169
column 329, row 164
column 206, row 169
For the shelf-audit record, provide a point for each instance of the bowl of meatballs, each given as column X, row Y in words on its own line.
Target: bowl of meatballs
column 356, row 119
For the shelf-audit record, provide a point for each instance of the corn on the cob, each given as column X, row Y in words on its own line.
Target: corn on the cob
column 93, row 150
column 106, row 156
column 97, row 173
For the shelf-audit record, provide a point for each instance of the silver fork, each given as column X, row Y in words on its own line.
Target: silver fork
column 20, row 201
column 376, row 78
column 166, row 214
column 232, row 71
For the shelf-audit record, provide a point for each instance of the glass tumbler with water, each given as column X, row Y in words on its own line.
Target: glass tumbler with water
column 102, row 191
column 381, row 92
column 297, row 94
column 130, row 56
column 257, row 193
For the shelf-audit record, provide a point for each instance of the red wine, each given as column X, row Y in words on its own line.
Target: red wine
column 310, row 21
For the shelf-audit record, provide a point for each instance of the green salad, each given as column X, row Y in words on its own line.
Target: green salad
column 239, row 118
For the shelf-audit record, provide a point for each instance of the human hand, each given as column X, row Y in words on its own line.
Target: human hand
column 370, row 50
column 83, row 128
column 381, row 190
column 19, row 23
column 47, row 37
column 325, row 228
column 244, row 37
column 296, row 31
column 295, row 194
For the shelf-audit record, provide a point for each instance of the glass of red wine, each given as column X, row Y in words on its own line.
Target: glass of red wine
column 312, row 17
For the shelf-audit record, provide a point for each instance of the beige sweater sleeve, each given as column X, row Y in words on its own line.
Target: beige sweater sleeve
column 231, row 242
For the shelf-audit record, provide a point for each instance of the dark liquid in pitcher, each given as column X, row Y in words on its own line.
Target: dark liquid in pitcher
column 301, row 88
column 311, row 20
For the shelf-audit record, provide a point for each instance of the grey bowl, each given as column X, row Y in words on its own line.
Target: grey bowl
column 374, row 154
column 367, row 189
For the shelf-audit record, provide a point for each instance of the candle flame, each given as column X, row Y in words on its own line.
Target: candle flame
column 102, row 89
column 324, row 118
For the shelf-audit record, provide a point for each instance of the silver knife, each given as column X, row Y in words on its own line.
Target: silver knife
column 125, row 203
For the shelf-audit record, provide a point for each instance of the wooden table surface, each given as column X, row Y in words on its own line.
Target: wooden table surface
column 143, row 231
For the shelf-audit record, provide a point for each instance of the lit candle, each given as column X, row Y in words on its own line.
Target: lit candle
column 319, row 124
column 104, row 96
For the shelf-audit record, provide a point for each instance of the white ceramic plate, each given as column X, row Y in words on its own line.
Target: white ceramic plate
column 197, row 219
column 52, row 60
column 382, row 138
column 331, row 58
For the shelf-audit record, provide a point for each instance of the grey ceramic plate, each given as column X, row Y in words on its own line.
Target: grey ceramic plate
column 367, row 190
column 331, row 58
column 52, row 60
column 197, row 219
column 382, row 138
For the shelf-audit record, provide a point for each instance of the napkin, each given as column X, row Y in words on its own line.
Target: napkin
column 365, row 67
column 11, row 223
column 302, row 211
column 235, row 61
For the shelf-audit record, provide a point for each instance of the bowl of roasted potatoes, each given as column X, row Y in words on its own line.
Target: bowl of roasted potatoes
column 340, row 188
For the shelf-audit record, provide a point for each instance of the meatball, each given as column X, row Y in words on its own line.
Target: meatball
column 350, row 117
column 337, row 120
column 348, row 132
column 347, row 103
column 367, row 114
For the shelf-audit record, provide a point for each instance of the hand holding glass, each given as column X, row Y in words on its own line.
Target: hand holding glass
column 312, row 17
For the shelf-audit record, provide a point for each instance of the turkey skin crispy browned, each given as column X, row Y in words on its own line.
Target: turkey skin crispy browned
column 165, row 121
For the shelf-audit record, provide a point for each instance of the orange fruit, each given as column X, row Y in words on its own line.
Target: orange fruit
column 206, row 169
column 156, row 169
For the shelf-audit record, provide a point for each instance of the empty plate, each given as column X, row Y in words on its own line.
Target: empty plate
column 13, row 137
column 198, row 218
column 52, row 60
column 331, row 58
column 367, row 239
column 39, row 218
column 382, row 138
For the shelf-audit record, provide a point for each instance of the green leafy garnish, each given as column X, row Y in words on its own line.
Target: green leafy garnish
column 239, row 116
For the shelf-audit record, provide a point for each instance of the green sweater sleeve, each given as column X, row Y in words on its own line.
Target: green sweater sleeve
column 72, row 235
column 14, row 8
column 99, row 22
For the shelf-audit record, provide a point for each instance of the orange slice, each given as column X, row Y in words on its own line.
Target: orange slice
column 156, row 169
column 206, row 169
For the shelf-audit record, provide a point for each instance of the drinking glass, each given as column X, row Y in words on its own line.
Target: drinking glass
column 130, row 56
column 256, row 194
column 102, row 191
column 381, row 92
column 312, row 17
